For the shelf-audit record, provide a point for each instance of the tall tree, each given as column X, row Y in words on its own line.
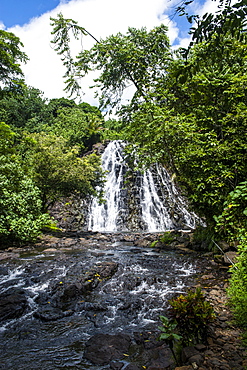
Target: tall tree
column 139, row 58
column 10, row 58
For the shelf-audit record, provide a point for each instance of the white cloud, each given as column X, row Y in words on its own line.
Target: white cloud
column 101, row 18
column 208, row 7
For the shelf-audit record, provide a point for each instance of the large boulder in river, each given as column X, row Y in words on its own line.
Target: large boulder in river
column 13, row 303
column 101, row 349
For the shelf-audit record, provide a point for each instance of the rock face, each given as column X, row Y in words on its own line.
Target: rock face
column 13, row 303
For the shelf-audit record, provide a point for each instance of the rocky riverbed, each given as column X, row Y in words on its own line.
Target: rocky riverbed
column 68, row 301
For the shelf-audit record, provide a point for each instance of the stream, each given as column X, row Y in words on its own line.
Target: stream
column 59, row 315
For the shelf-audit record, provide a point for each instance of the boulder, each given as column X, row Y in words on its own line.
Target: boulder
column 101, row 349
column 13, row 303
column 188, row 352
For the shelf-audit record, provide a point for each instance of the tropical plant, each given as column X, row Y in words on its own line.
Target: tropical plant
column 169, row 334
column 193, row 315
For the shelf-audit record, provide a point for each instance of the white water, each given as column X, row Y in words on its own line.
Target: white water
column 158, row 204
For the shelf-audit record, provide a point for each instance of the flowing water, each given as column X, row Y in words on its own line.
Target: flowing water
column 146, row 201
column 130, row 301
column 48, row 333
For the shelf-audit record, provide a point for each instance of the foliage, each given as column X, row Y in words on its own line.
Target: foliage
column 232, row 224
column 203, row 236
column 139, row 58
column 166, row 238
column 61, row 30
column 238, row 283
column 233, row 220
column 197, row 130
column 192, row 314
column 25, row 109
column 58, row 171
column 10, row 58
column 168, row 333
column 21, row 216
column 77, row 127
column 113, row 130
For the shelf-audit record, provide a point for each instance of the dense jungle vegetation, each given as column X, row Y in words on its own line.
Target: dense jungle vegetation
column 188, row 112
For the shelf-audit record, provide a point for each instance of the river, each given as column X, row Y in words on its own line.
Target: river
column 53, row 327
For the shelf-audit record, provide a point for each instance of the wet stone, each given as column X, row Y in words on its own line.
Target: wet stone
column 188, row 352
column 101, row 349
column 13, row 303
column 49, row 313
column 116, row 365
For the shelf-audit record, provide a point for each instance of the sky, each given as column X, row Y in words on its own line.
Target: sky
column 30, row 21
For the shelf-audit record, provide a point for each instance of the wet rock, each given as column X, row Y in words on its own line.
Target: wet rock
column 116, row 365
column 200, row 347
column 142, row 243
column 224, row 245
column 106, row 269
column 133, row 367
column 101, row 349
column 50, row 250
column 8, row 255
column 188, row 352
column 49, row 313
column 13, row 303
column 85, row 282
column 89, row 306
column 162, row 359
column 196, row 359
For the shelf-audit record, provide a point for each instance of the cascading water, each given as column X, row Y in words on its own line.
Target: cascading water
column 147, row 201
column 51, row 330
column 54, row 300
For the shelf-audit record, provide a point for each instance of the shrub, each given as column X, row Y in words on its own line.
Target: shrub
column 192, row 314
column 237, row 290
column 167, row 238
column 232, row 224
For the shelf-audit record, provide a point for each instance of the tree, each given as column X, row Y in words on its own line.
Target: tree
column 21, row 217
column 198, row 129
column 10, row 58
column 78, row 128
column 26, row 109
column 139, row 58
column 188, row 113
column 57, row 170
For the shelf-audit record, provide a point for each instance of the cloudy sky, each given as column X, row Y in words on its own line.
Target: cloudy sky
column 30, row 21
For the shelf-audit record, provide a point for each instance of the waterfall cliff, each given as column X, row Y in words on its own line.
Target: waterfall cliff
column 136, row 201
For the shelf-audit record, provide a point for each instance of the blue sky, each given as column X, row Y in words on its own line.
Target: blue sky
column 13, row 12
column 30, row 21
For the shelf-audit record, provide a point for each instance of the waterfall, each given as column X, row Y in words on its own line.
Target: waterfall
column 136, row 201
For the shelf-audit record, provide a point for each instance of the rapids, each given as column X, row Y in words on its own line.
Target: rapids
column 130, row 301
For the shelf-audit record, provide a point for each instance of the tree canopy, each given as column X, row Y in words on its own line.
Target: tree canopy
column 42, row 149
column 10, row 58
